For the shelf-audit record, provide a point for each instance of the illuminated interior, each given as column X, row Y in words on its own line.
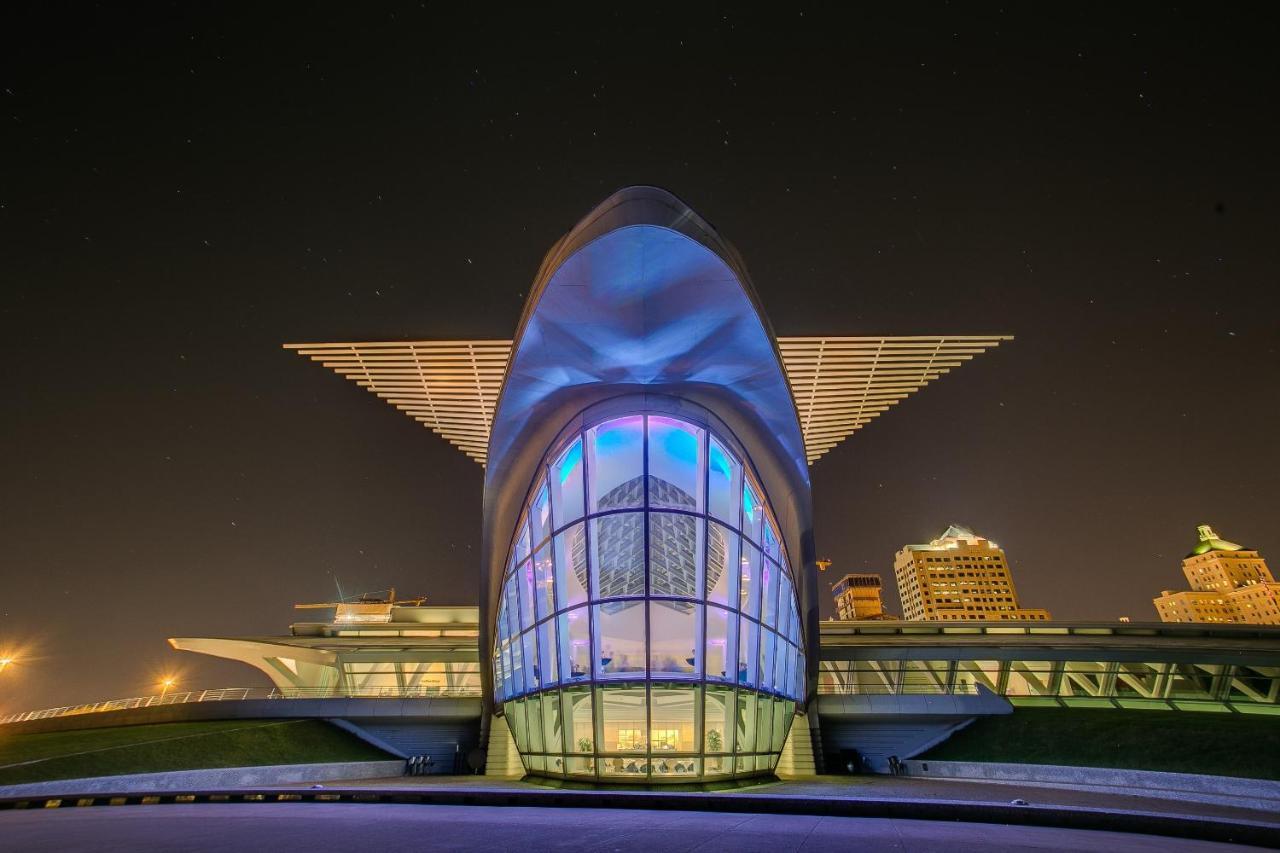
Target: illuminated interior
column 624, row 645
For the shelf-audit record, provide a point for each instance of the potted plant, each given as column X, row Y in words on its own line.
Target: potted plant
column 584, row 745
column 715, row 743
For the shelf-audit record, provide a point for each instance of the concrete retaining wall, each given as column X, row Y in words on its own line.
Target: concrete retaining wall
column 1223, row 790
column 205, row 780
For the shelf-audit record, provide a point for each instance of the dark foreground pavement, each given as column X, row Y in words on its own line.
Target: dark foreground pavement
column 307, row 828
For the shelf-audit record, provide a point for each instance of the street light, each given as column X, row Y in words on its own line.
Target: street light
column 166, row 683
column 4, row 663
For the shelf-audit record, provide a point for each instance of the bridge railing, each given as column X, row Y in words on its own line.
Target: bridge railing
column 241, row 694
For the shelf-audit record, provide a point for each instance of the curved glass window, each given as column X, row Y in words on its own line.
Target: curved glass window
column 648, row 627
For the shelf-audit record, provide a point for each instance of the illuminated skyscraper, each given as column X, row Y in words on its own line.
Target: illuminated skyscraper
column 1229, row 583
column 958, row 576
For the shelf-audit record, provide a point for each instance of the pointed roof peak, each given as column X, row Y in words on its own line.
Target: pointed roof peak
column 958, row 531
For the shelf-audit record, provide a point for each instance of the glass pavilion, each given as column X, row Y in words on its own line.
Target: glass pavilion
column 648, row 625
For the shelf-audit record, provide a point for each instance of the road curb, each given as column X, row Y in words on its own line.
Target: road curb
column 1196, row 827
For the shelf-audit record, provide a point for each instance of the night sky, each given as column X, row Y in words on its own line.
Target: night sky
column 183, row 188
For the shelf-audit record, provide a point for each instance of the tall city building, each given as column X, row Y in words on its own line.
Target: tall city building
column 958, row 576
column 857, row 597
column 1229, row 583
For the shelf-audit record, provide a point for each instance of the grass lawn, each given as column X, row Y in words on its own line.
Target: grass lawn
column 176, row 746
column 1178, row 741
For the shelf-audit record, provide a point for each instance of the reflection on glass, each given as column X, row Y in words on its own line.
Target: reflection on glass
column 623, row 722
column 580, row 728
column 672, row 720
column 722, row 635
column 499, row 688
column 722, row 564
column 724, row 481
column 544, row 578
column 513, row 604
column 673, row 643
column 784, row 604
column 675, row 465
column 749, row 581
column 552, row 733
column 533, row 711
column 540, row 517
column 772, row 549
column 548, row 661
column 615, row 457
column 617, row 563
column 532, row 672
column 769, row 589
column 782, row 713
column 718, row 726
column 675, row 554
column 517, row 666
column 514, row 712
column 575, row 649
column 619, row 638
column 510, row 678
column 672, row 730
column 745, row 737
column 766, row 658
column 644, row 595
column 571, row 567
column 525, row 584
column 566, row 485
column 522, row 544
column 748, row 637
column 752, row 512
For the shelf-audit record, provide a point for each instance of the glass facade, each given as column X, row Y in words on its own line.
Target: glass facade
column 648, row 627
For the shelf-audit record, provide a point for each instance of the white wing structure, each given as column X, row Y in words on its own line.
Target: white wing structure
column 450, row 387
column 839, row 383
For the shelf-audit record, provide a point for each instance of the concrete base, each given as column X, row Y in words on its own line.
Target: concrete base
column 1220, row 790
column 225, row 778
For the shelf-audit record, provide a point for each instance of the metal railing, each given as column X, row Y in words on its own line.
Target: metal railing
column 826, row 688
column 241, row 694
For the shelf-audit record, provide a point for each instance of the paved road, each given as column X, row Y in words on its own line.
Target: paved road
column 310, row 828
column 888, row 787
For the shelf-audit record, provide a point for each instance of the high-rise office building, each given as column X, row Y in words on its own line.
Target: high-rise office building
column 958, row 576
column 1229, row 583
column 857, row 597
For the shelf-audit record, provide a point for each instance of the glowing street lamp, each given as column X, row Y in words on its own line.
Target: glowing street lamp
column 4, row 663
column 166, row 683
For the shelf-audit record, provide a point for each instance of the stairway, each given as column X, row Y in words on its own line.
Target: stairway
column 797, row 753
column 502, row 758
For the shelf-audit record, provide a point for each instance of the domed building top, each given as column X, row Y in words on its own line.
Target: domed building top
column 1209, row 541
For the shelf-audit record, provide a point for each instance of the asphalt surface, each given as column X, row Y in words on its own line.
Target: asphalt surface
column 307, row 828
column 884, row 787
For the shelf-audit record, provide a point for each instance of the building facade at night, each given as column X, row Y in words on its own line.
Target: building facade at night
column 648, row 603
column 1229, row 583
column 857, row 597
column 959, row 576
column 366, row 650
